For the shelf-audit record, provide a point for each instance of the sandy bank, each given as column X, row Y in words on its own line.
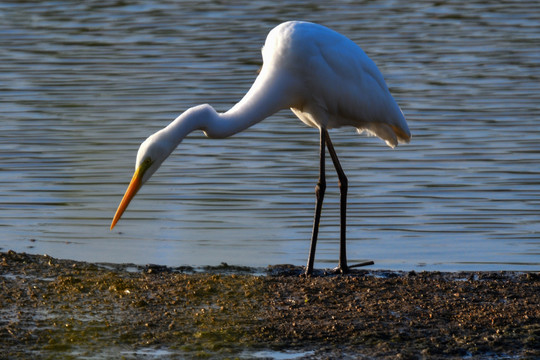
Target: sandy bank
column 66, row 309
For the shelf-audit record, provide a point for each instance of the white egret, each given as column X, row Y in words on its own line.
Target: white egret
column 324, row 78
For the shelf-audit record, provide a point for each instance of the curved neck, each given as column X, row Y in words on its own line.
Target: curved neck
column 268, row 94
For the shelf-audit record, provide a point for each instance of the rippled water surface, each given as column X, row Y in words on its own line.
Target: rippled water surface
column 83, row 83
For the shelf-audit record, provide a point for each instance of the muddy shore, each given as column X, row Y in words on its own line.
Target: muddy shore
column 65, row 309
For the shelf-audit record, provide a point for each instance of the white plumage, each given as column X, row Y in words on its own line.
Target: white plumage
column 322, row 76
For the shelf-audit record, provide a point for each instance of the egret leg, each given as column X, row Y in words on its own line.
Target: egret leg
column 319, row 194
column 343, row 183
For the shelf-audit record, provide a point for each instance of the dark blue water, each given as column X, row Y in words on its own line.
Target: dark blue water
column 83, row 83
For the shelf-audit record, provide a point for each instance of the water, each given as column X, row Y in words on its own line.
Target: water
column 83, row 83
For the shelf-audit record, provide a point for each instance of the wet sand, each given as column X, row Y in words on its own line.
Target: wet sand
column 65, row 309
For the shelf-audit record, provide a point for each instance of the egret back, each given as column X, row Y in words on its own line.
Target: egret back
column 340, row 84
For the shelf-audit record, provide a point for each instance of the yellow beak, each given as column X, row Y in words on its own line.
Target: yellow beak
column 132, row 189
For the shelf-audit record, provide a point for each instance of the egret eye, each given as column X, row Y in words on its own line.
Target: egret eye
column 146, row 163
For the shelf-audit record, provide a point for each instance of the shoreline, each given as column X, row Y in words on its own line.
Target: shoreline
column 72, row 309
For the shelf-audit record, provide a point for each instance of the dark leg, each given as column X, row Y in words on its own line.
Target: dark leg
column 319, row 193
column 343, row 183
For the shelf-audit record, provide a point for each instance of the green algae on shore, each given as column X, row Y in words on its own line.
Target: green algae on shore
column 66, row 309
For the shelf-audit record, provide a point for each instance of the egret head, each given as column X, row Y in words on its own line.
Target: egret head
column 152, row 152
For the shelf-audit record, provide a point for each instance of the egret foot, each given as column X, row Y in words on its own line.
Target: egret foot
column 341, row 270
column 365, row 263
column 307, row 274
column 347, row 269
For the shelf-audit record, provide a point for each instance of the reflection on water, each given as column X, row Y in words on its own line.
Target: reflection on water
column 83, row 83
